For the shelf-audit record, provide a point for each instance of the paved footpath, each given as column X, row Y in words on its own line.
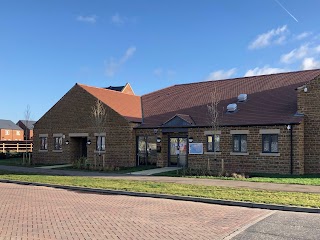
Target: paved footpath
column 196, row 181
column 33, row 212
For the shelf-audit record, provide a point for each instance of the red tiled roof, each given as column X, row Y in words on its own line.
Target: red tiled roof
column 271, row 100
column 127, row 105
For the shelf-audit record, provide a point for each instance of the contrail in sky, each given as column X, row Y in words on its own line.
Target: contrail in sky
column 287, row 11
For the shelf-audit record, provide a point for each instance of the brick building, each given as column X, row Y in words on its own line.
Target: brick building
column 267, row 124
column 27, row 126
column 10, row 131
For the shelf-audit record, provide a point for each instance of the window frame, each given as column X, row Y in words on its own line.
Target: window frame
column 269, row 135
column 45, row 145
column 57, row 145
column 239, row 142
column 213, row 136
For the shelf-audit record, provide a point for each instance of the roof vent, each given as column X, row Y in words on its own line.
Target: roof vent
column 242, row 97
column 232, row 107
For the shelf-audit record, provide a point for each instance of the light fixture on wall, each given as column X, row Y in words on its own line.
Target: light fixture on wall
column 305, row 89
column 67, row 142
column 89, row 142
column 158, row 139
column 190, row 139
column 288, row 127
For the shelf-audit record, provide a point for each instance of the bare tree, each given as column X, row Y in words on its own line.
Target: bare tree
column 214, row 120
column 99, row 120
column 27, row 114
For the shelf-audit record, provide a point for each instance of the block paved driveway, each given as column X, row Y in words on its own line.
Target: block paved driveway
column 31, row 212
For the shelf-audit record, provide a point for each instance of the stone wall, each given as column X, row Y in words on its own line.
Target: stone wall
column 309, row 105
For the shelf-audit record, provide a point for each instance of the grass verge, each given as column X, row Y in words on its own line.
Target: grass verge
column 224, row 193
column 308, row 179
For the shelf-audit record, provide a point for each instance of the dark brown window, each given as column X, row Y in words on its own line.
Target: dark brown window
column 57, row 141
column 240, row 143
column 213, row 145
column 270, row 143
column 43, row 143
column 101, row 143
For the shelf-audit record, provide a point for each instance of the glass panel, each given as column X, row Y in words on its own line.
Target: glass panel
column 209, row 143
column 266, row 143
column 243, row 143
column 274, row 143
column 217, row 143
column 183, row 146
column 98, row 139
column 236, row 145
column 103, row 143
column 141, row 150
column 173, row 146
column 182, row 160
column 152, row 145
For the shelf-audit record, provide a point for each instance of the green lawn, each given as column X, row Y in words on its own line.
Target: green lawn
column 238, row 194
column 308, row 179
column 120, row 171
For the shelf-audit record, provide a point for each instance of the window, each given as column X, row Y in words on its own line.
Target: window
column 101, row 143
column 57, row 141
column 270, row 143
column 18, row 133
column 7, row 132
column 240, row 143
column 43, row 143
column 213, row 146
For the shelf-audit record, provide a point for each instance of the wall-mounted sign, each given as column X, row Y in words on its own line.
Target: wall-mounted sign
column 195, row 148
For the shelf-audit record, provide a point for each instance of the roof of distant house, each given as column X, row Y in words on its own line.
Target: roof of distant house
column 124, row 89
column 9, row 125
column 127, row 105
column 28, row 123
column 118, row 88
column 272, row 99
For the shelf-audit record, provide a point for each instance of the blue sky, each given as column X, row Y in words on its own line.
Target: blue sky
column 48, row 46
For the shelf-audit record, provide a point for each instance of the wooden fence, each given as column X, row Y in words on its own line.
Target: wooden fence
column 16, row 147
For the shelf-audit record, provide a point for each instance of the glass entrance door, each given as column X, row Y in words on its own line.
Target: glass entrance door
column 178, row 151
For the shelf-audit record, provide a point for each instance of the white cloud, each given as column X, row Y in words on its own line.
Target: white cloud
column 160, row 72
column 87, row 19
column 263, row 71
column 303, row 35
column 221, row 74
column 117, row 19
column 295, row 54
column 310, row 63
column 274, row 36
column 113, row 65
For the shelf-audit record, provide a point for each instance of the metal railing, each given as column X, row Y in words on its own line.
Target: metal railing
column 16, row 147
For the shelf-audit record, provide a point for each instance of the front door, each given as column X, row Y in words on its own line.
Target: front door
column 178, row 151
column 83, row 147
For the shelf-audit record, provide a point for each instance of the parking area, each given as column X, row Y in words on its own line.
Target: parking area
column 31, row 212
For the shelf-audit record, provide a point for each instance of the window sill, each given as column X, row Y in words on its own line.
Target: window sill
column 239, row 153
column 96, row 151
column 57, row 151
column 43, row 150
column 270, row 154
column 212, row 153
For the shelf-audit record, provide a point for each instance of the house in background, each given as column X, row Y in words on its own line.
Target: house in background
column 27, row 126
column 267, row 124
column 124, row 89
column 10, row 131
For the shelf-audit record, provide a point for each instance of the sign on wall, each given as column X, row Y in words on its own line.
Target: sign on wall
column 195, row 148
